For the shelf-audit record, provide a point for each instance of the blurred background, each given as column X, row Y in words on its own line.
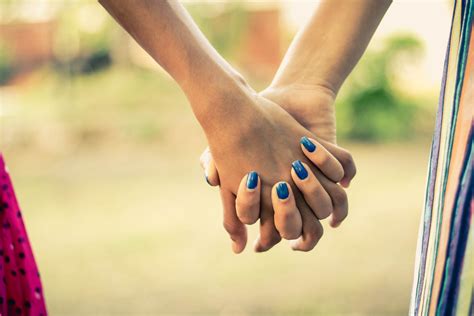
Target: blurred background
column 119, row 215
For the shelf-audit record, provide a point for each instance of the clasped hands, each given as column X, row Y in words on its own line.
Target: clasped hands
column 275, row 160
column 274, row 153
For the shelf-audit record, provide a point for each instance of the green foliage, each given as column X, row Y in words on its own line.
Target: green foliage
column 223, row 24
column 370, row 108
column 6, row 68
column 84, row 38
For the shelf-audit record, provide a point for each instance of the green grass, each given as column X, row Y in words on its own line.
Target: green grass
column 136, row 231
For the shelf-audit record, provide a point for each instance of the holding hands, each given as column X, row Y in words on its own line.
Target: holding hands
column 274, row 154
column 289, row 207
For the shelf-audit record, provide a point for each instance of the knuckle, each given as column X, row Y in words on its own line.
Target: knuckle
column 246, row 211
column 315, row 189
column 311, row 235
column 339, row 196
column 290, row 235
column 339, row 174
column 324, row 212
column 270, row 240
column 347, row 160
column 324, row 160
column 242, row 204
column 286, row 217
column 314, row 232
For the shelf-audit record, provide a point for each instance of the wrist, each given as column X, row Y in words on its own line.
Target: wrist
column 222, row 101
column 304, row 78
column 302, row 91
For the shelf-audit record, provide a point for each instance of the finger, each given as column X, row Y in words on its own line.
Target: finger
column 340, row 206
column 314, row 194
column 210, row 170
column 338, row 198
column 237, row 231
column 269, row 235
column 312, row 229
column 345, row 159
column 247, row 203
column 322, row 159
column 212, row 174
column 287, row 216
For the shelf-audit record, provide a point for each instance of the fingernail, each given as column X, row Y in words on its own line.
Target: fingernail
column 300, row 170
column 282, row 191
column 207, row 179
column 252, row 180
column 308, row 144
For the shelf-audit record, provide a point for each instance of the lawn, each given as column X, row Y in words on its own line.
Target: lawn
column 136, row 231
column 122, row 222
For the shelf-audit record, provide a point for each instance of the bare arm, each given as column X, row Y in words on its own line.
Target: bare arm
column 327, row 48
column 245, row 131
column 167, row 32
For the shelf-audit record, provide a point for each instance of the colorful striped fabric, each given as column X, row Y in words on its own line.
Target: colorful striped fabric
column 444, row 269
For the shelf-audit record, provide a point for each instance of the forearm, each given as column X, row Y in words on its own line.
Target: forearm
column 167, row 32
column 327, row 48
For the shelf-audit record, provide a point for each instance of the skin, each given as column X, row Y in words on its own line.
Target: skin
column 245, row 130
column 306, row 85
column 315, row 185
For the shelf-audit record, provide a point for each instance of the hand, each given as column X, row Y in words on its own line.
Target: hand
column 314, row 107
column 264, row 137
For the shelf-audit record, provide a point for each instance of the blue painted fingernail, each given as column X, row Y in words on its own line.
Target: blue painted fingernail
column 282, row 190
column 300, row 170
column 207, row 179
column 308, row 144
column 252, row 180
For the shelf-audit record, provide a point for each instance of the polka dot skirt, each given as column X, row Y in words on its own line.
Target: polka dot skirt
column 21, row 292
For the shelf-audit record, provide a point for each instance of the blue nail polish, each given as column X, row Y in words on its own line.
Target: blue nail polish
column 207, row 179
column 282, row 190
column 252, row 180
column 308, row 144
column 300, row 170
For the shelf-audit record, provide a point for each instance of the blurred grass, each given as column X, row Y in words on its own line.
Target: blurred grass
column 137, row 231
column 125, row 224
column 106, row 169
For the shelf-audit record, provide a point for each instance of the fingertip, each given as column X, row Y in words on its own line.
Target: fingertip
column 334, row 223
column 339, row 176
column 294, row 244
column 263, row 246
column 248, row 199
column 212, row 176
column 238, row 246
column 257, row 246
column 299, row 245
column 345, row 183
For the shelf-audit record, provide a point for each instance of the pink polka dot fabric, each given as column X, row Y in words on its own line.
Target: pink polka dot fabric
column 21, row 292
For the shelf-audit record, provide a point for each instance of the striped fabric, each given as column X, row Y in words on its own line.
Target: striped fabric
column 444, row 268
